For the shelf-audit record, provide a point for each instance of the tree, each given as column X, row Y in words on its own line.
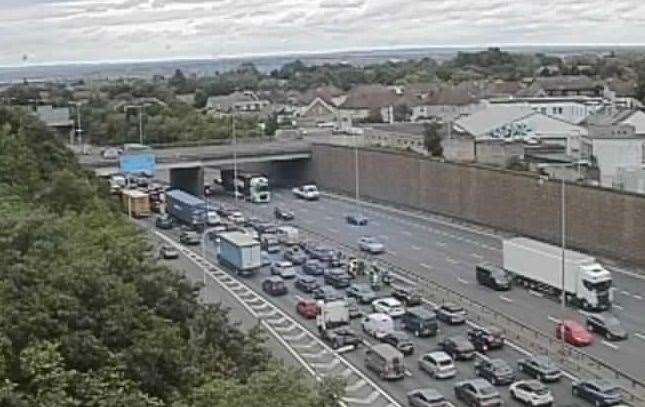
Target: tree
column 271, row 125
column 432, row 138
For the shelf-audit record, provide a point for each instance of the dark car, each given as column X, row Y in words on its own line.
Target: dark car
column 266, row 228
column 274, row 286
column 496, row 371
column 458, row 347
column 283, row 214
column 306, row 283
column 598, row 392
column 540, row 367
column 451, row 314
column 164, row 222
column 352, row 308
column 400, row 340
column 607, row 326
column 168, row 252
column 408, row 296
column 493, row 276
column 420, row 321
column 189, row 238
column 313, row 267
column 337, row 278
column 362, row 292
column 478, row 393
column 341, row 337
column 322, row 253
column 427, row 398
column 486, row 338
column 356, row 219
column 295, row 255
column 326, row 293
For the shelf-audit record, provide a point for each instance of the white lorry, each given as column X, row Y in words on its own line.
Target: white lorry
column 538, row 266
column 333, row 324
column 240, row 252
column 307, row 192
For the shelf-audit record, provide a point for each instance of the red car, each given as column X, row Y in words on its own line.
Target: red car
column 573, row 333
column 308, row 308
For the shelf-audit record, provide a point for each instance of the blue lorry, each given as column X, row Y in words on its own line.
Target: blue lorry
column 186, row 208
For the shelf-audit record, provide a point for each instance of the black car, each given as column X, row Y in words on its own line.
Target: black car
column 282, row 214
column 168, row 252
column 458, row 347
column 295, row 255
column 486, row 338
column 598, row 392
column 400, row 340
column 451, row 314
column 189, row 238
column 341, row 337
column 540, row 367
column 408, row 296
column 356, row 219
column 326, row 293
column 337, row 278
column 478, row 393
column 313, row 267
column 607, row 326
column 353, row 308
column 266, row 228
column 493, row 276
column 322, row 253
column 274, row 286
column 164, row 222
column 496, row 371
column 306, row 283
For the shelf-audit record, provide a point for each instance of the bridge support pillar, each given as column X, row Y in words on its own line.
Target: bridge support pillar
column 190, row 180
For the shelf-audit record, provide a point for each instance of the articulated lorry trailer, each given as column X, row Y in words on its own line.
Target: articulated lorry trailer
column 538, row 266
column 240, row 252
column 253, row 187
column 186, row 208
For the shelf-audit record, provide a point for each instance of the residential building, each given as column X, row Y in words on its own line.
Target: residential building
column 446, row 104
column 571, row 109
column 237, row 102
column 366, row 102
column 563, row 85
column 55, row 117
column 317, row 113
column 631, row 179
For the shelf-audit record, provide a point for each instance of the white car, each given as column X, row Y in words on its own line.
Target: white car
column 284, row 269
column 390, row 306
column 236, row 217
column 532, row 393
column 378, row 325
column 371, row 245
column 307, row 192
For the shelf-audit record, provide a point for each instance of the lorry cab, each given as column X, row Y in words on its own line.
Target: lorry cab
column 493, row 276
column 595, row 287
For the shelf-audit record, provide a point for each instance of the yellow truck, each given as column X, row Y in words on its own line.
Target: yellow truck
column 135, row 203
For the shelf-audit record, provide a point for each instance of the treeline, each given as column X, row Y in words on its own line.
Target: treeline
column 90, row 319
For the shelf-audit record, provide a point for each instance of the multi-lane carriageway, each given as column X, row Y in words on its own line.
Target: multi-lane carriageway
column 327, row 215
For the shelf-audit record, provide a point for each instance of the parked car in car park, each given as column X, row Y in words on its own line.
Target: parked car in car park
column 168, row 252
column 438, row 364
column 458, row 347
column 486, row 338
column 362, row 292
column 427, row 398
column 606, row 325
column 573, row 333
column 307, row 308
column 371, row 245
column 451, row 314
column 478, row 393
column 306, row 283
column 597, row 392
column 356, row 219
column 497, row 371
column 390, row 306
column 284, row 269
column 274, row 286
column 313, row 267
column 540, row 367
column 408, row 296
column 532, row 393
column 400, row 340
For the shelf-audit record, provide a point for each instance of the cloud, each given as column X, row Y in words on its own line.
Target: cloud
column 116, row 29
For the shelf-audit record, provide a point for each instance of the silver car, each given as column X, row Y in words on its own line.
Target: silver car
column 284, row 269
column 438, row 365
column 371, row 245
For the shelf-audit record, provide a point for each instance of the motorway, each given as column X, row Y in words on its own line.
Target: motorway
column 447, row 254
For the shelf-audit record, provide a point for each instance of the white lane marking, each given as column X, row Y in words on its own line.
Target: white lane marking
column 611, row 345
column 503, row 298
column 413, row 247
column 620, row 307
column 638, row 297
column 625, row 292
column 332, row 230
column 384, row 237
column 477, row 256
column 392, row 252
column 328, row 217
column 550, row 318
column 585, row 313
column 303, row 210
column 535, row 293
column 407, row 233
column 462, row 281
column 639, row 335
column 440, row 244
column 451, row 260
column 425, row 266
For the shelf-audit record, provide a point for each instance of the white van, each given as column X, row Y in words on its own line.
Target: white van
column 378, row 325
column 287, row 235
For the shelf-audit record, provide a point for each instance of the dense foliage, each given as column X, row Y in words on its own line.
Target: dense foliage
column 90, row 319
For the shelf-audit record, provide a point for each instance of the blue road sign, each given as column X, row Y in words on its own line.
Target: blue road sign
column 130, row 163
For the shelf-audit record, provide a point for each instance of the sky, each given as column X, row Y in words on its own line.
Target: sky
column 48, row 31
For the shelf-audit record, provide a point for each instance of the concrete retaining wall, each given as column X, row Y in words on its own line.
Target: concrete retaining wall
column 598, row 220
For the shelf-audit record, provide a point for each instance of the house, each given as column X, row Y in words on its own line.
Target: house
column 571, row 109
column 365, row 102
column 316, row 113
column 519, row 123
column 613, row 149
column 563, row 85
column 237, row 102
column 447, row 104
column 611, row 116
column 56, row 119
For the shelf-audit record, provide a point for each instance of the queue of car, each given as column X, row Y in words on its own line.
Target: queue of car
column 307, row 260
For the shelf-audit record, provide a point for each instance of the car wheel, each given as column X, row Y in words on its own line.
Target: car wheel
column 513, row 395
